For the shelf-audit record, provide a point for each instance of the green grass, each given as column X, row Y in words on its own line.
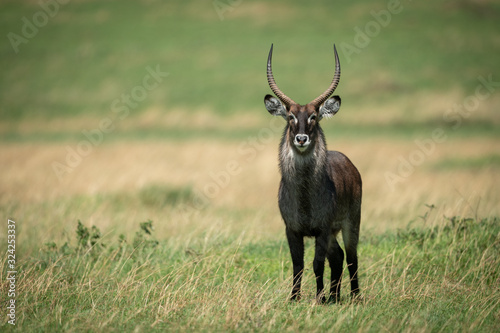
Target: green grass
column 483, row 162
column 159, row 196
column 431, row 279
column 90, row 53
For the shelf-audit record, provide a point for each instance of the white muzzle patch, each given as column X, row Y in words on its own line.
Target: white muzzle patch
column 301, row 142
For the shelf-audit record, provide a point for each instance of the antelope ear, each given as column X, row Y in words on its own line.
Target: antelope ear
column 330, row 107
column 274, row 106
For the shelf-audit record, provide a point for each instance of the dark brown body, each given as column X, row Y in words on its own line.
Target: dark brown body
column 319, row 196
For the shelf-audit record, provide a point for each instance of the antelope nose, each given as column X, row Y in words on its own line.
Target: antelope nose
column 301, row 138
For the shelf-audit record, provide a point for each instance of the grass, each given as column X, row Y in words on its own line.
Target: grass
column 89, row 54
column 426, row 279
column 155, row 195
column 489, row 161
column 169, row 220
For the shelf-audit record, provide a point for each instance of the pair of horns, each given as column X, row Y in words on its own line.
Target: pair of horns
column 317, row 101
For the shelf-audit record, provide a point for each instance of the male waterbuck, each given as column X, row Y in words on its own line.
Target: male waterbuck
column 320, row 190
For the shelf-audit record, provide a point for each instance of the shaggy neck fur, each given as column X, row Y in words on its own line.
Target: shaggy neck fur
column 309, row 165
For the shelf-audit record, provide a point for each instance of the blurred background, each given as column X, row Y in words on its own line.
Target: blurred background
column 115, row 112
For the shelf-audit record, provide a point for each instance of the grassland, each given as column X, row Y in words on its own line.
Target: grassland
column 414, row 280
column 86, row 174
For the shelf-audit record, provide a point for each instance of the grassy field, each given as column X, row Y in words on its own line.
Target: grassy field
column 140, row 165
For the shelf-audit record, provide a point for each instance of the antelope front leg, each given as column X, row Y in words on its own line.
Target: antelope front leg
column 319, row 266
column 296, row 244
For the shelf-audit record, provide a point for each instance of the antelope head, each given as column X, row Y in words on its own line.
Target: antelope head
column 303, row 120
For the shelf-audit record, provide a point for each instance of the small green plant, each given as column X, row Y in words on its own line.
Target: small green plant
column 82, row 233
column 147, row 227
column 88, row 239
column 143, row 238
column 51, row 246
column 95, row 236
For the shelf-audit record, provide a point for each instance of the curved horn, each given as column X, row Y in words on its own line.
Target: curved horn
column 272, row 84
column 336, row 78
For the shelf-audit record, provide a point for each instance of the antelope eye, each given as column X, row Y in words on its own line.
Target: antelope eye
column 291, row 117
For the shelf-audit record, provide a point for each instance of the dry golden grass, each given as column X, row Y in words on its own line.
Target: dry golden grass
column 113, row 174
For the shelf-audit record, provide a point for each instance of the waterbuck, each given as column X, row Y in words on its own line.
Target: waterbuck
column 320, row 190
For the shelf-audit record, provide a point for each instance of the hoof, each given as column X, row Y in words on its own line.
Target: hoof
column 357, row 298
column 321, row 299
column 333, row 299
